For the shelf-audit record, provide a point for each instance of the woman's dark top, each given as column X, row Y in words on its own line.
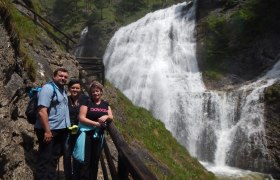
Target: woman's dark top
column 74, row 109
column 95, row 111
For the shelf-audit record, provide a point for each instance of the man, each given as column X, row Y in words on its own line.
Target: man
column 51, row 125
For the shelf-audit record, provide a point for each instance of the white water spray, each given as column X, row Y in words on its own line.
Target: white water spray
column 79, row 50
column 153, row 62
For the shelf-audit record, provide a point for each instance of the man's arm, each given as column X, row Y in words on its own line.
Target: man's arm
column 44, row 119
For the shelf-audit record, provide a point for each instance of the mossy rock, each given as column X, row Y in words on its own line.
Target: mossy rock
column 272, row 94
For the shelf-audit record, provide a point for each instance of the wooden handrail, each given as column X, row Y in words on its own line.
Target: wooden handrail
column 93, row 66
column 97, row 67
column 36, row 16
column 89, row 58
column 111, row 165
column 134, row 165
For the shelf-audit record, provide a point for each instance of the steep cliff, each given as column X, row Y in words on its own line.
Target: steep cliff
column 272, row 125
column 18, row 148
column 239, row 41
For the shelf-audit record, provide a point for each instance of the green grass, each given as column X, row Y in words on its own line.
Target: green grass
column 213, row 75
column 29, row 64
column 24, row 26
column 16, row 22
column 21, row 29
column 151, row 134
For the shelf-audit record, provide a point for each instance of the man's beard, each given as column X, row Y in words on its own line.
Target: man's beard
column 61, row 83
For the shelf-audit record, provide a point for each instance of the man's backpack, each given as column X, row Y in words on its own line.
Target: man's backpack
column 32, row 107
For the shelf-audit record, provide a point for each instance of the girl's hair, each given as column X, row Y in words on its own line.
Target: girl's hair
column 96, row 84
column 72, row 82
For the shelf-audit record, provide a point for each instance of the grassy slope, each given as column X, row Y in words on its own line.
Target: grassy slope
column 138, row 124
column 21, row 30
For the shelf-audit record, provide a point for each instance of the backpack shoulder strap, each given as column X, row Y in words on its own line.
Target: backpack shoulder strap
column 54, row 91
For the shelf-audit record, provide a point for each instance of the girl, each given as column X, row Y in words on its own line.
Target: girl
column 93, row 117
column 75, row 99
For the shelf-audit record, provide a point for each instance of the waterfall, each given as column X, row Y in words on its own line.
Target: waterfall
column 153, row 62
column 79, row 50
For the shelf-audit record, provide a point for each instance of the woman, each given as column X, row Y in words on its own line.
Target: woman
column 75, row 99
column 93, row 118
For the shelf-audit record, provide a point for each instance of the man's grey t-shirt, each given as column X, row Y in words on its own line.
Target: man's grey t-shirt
column 57, row 107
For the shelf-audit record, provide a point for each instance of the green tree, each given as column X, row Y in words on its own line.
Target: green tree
column 129, row 7
column 132, row 4
column 101, row 4
column 63, row 9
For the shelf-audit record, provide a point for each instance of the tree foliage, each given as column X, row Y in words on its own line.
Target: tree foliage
column 101, row 4
column 127, row 7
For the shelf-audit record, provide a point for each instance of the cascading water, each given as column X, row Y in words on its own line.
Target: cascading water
column 152, row 61
column 80, row 49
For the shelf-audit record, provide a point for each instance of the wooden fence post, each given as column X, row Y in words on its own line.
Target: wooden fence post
column 122, row 169
column 104, row 170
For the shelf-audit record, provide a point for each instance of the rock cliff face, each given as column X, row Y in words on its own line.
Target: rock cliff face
column 245, row 51
column 18, row 148
column 257, row 56
column 272, row 126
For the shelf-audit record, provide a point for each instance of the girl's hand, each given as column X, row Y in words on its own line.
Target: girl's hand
column 97, row 124
column 102, row 119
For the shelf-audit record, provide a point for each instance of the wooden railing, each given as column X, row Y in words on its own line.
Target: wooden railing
column 37, row 19
column 129, row 163
column 129, row 166
column 93, row 66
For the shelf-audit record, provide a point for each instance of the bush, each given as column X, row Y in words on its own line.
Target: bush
column 212, row 75
column 272, row 94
